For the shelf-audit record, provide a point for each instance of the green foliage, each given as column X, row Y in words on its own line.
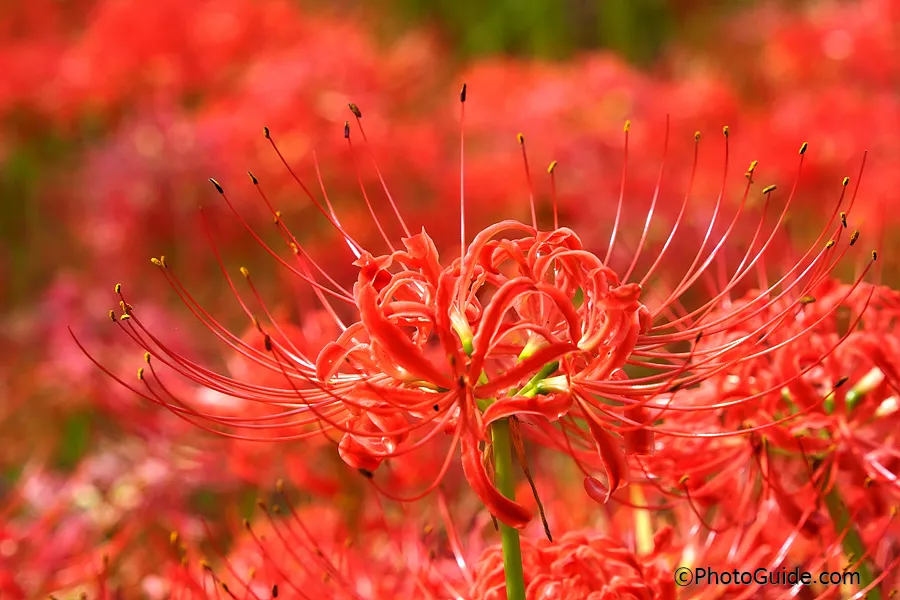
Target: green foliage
column 636, row 29
column 74, row 440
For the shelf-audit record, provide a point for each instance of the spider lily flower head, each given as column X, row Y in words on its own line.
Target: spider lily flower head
column 58, row 530
column 521, row 323
column 582, row 564
column 832, row 398
column 839, row 394
column 316, row 550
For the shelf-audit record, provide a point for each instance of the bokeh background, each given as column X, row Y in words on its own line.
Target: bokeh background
column 114, row 112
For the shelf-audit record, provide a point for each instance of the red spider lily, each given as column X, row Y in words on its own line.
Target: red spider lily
column 56, row 529
column 815, row 483
column 307, row 551
column 311, row 551
column 581, row 565
column 522, row 323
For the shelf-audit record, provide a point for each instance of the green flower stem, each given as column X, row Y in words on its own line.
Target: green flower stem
column 854, row 547
column 509, row 536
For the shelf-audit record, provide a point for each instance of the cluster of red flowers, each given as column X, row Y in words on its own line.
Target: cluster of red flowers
column 529, row 330
column 645, row 359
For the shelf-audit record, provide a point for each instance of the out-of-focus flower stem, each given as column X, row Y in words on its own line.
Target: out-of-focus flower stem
column 854, row 547
column 643, row 524
column 509, row 536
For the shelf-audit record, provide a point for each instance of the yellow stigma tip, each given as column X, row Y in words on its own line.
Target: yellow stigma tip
column 552, row 167
column 627, row 126
column 156, row 261
column 803, row 147
column 147, row 357
column 830, row 244
column 118, row 288
column 141, row 374
column 770, row 189
column 725, row 131
column 521, row 138
column 846, row 181
column 245, row 272
column 124, row 317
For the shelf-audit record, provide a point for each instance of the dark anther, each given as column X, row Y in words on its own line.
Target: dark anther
column 218, row 187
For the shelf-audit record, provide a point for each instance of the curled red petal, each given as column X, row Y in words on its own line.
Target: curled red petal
column 550, row 407
column 595, row 490
column 421, row 254
column 374, row 270
column 393, row 339
column 638, row 441
column 356, row 455
column 611, row 455
column 329, row 360
column 443, row 325
column 565, row 306
column 490, row 322
column 507, row 511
